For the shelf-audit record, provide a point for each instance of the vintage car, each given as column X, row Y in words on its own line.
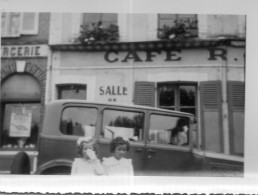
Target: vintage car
column 149, row 130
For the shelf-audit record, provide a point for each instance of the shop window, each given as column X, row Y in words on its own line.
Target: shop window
column 177, row 96
column 14, row 24
column 71, row 91
column 105, row 18
column 166, row 129
column 128, row 125
column 169, row 24
column 79, row 121
column 20, row 125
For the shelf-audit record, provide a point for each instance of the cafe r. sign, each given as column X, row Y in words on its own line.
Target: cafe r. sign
column 169, row 55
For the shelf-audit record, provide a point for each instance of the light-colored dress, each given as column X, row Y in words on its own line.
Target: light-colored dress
column 81, row 166
column 115, row 167
column 182, row 138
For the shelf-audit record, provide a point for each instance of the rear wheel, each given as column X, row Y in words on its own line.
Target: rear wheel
column 21, row 164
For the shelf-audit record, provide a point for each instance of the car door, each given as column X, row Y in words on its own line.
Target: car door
column 163, row 157
column 126, row 123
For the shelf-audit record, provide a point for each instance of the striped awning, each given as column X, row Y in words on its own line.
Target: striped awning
column 148, row 45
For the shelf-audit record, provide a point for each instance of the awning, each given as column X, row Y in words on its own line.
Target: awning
column 149, row 45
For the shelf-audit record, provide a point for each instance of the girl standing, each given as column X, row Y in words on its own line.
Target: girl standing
column 88, row 163
column 117, row 164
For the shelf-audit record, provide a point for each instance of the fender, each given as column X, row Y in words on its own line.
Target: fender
column 54, row 163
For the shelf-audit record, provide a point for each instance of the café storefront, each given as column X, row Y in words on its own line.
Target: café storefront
column 203, row 77
column 23, row 77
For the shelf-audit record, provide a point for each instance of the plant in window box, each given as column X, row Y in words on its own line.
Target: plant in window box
column 97, row 33
column 183, row 29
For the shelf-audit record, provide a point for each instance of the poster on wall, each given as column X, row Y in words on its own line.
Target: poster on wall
column 20, row 125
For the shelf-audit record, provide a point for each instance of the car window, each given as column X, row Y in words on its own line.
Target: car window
column 79, row 121
column 166, row 129
column 128, row 125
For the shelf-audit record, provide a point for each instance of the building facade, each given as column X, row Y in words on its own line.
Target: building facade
column 185, row 62
column 24, row 59
column 149, row 59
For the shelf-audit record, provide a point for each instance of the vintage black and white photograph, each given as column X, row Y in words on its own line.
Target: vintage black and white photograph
column 104, row 94
column 129, row 94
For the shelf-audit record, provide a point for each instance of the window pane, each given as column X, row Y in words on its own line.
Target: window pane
column 109, row 18
column 90, row 18
column 3, row 21
column 105, row 18
column 72, row 92
column 167, row 19
column 187, row 95
column 79, row 121
column 14, row 25
column 168, row 130
column 166, row 95
column 128, row 125
column 21, row 125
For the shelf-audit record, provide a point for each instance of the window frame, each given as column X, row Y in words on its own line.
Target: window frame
column 194, row 31
column 3, row 108
column 176, row 86
column 59, row 86
column 7, row 23
column 123, row 110
column 78, row 106
column 169, row 115
column 101, row 16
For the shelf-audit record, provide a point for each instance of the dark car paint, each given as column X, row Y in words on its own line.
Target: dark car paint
column 59, row 150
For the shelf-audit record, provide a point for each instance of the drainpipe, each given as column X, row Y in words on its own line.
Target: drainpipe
column 225, row 119
column 49, row 77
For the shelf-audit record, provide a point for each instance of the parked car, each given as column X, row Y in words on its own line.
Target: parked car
column 150, row 131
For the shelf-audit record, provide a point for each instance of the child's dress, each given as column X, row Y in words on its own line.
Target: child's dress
column 115, row 167
column 81, row 166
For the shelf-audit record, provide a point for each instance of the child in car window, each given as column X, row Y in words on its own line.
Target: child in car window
column 117, row 164
column 179, row 135
column 88, row 163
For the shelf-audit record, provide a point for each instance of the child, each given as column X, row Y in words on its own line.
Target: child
column 88, row 163
column 117, row 164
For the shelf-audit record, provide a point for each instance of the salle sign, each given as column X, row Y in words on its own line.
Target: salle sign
column 112, row 90
column 12, row 51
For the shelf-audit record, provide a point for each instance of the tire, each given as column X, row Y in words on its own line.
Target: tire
column 58, row 170
column 21, row 164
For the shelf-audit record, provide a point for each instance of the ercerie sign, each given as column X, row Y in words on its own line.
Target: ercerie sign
column 12, row 51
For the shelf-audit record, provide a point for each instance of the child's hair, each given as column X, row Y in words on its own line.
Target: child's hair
column 89, row 141
column 118, row 141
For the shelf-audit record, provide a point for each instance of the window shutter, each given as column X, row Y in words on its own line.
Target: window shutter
column 30, row 23
column 144, row 93
column 211, row 94
column 236, row 94
column 211, row 115
column 236, row 105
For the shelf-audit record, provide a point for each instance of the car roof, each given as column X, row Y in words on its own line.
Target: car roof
column 68, row 101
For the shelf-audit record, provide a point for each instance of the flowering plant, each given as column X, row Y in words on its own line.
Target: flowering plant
column 182, row 29
column 97, row 33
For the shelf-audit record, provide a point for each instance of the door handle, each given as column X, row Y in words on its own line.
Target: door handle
column 151, row 151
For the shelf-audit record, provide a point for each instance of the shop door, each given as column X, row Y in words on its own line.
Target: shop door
column 20, row 112
column 163, row 155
